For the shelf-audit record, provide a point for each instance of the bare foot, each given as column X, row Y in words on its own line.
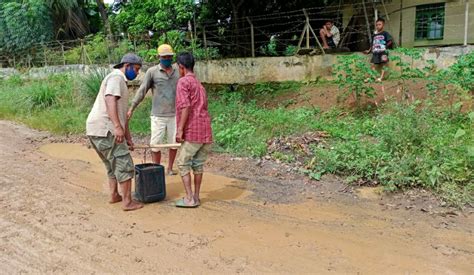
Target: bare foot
column 133, row 205
column 115, row 198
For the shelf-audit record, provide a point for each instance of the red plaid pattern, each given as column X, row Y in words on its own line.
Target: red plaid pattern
column 191, row 93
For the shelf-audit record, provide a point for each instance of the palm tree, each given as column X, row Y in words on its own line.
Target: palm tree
column 69, row 18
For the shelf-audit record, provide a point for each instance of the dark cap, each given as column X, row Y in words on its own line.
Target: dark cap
column 129, row 58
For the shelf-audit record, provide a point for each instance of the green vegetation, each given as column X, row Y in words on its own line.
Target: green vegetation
column 23, row 25
column 402, row 145
column 353, row 74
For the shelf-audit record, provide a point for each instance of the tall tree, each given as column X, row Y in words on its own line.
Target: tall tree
column 105, row 19
column 24, row 25
column 70, row 20
column 139, row 17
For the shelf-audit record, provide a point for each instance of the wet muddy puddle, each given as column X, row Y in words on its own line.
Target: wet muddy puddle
column 93, row 177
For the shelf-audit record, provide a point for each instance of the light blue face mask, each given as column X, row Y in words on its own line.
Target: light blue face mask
column 166, row 62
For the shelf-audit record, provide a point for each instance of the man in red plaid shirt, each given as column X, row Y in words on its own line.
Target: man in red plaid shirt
column 194, row 129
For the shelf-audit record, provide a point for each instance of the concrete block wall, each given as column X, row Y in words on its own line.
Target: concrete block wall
column 260, row 69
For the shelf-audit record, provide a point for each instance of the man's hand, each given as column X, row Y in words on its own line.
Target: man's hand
column 129, row 113
column 179, row 136
column 367, row 51
column 119, row 134
column 130, row 144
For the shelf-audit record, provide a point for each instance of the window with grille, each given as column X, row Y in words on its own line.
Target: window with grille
column 429, row 22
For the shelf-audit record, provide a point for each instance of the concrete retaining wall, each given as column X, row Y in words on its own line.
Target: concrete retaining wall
column 260, row 69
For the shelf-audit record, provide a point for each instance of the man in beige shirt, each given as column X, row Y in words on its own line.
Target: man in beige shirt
column 162, row 80
column 107, row 129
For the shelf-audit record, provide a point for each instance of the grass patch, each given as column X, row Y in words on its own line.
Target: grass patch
column 59, row 104
column 402, row 146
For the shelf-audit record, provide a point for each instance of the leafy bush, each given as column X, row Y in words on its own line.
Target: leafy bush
column 24, row 24
column 405, row 60
column 270, row 49
column 290, row 50
column 354, row 75
column 460, row 74
column 201, row 53
column 405, row 148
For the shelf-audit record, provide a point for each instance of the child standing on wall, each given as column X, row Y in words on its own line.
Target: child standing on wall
column 381, row 42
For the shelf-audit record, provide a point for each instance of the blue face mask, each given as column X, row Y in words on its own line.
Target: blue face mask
column 130, row 73
column 166, row 62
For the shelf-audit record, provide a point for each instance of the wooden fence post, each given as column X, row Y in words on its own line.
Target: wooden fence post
column 308, row 29
column 466, row 21
column 252, row 37
column 367, row 22
column 205, row 40
column 62, row 53
column 45, row 56
column 83, row 57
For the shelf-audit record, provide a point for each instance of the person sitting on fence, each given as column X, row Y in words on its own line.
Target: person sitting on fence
column 107, row 129
column 330, row 35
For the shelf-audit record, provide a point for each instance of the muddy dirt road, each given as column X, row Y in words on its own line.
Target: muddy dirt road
column 54, row 218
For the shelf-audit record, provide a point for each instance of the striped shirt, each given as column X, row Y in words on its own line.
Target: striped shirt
column 191, row 93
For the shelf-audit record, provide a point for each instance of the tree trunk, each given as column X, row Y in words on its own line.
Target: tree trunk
column 105, row 18
column 235, row 14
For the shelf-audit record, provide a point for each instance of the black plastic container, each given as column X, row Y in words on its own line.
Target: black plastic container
column 150, row 182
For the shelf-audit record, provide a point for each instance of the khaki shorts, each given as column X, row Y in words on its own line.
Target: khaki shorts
column 161, row 126
column 116, row 157
column 192, row 156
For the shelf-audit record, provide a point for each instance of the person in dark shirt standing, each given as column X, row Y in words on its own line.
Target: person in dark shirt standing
column 381, row 42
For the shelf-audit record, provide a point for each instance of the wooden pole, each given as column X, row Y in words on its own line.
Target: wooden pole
column 317, row 41
column 62, row 53
column 307, row 28
column 466, row 21
column 400, row 37
column 367, row 22
column 160, row 146
column 385, row 10
column 302, row 37
column 45, row 56
column 205, row 40
column 252, row 37
column 83, row 57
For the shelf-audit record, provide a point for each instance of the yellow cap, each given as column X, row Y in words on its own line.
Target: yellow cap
column 165, row 49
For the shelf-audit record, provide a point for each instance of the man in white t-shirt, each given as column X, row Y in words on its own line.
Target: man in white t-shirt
column 107, row 129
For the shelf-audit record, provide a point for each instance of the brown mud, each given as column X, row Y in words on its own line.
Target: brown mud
column 328, row 96
column 55, row 219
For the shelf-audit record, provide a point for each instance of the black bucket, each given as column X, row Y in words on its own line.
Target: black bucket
column 150, row 182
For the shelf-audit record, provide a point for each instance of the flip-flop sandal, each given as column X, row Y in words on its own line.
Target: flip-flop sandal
column 182, row 204
column 172, row 173
column 198, row 202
